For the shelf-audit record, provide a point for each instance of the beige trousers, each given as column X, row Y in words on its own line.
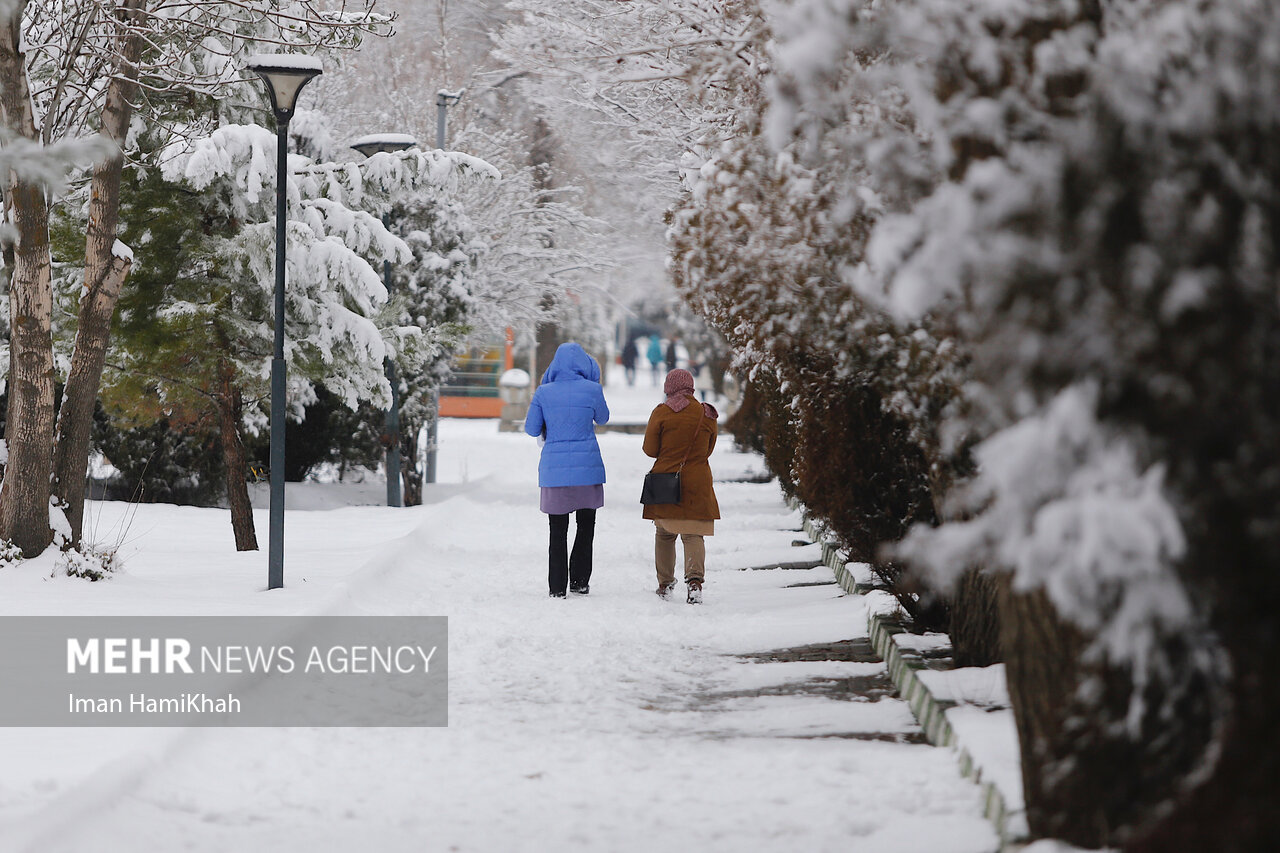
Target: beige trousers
column 695, row 549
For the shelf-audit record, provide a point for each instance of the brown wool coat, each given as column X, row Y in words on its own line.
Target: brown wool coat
column 666, row 439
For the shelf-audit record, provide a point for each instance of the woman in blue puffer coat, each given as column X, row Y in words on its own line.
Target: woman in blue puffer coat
column 564, row 410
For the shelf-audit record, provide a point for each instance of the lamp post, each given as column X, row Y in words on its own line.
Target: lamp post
column 285, row 75
column 444, row 100
column 368, row 146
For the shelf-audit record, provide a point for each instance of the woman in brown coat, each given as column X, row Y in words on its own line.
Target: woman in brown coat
column 679, row 426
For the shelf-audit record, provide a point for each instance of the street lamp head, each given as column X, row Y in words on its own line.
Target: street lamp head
column 285, row 74
column 376, row 143
column 445, row 98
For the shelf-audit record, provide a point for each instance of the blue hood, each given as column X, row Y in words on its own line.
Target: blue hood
column 572, row 362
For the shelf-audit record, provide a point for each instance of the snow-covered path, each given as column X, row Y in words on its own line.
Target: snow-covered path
column 611, row 722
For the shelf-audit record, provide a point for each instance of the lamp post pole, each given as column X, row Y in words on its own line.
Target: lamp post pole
column 368, row 146
column 444, row 100
column 285, row 75
column 275, row 546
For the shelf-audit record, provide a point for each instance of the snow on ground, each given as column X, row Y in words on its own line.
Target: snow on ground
column 615, row 721
column 923, row 643
column 991, row 737
column 983, row 723
column 985, row 686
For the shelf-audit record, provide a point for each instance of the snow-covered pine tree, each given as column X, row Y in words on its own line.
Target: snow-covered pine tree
column 436, row 294
column 201, row 334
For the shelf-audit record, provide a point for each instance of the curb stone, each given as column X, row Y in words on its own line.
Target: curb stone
column 929, row 711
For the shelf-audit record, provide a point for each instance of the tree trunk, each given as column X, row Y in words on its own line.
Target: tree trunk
column 24, row 496
column 548, row 341
column 104, row 275
column 1042, row 665
column 230, row 407
column 1233, row 809
column 75, row 416
column 1091, row 773
column 410, row 473
column 974, row 620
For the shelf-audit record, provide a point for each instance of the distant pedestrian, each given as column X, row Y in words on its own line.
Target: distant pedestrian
column 673, row 353
column 680, row 436
column 571, row 471
column 703, row 381
column 630, row 355
column 654, row 354
column 732, row 390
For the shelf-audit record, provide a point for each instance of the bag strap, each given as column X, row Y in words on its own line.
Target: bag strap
column 692, row 442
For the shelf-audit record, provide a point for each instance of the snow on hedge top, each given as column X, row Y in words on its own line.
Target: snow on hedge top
column 1068, row 504
column 298, row 61
column 385, row 139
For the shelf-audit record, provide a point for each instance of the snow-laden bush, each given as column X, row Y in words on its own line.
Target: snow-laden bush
column 87, row 564
column 10, row 554
column 760, row 247
column 1104, row 247
column 1044, row 230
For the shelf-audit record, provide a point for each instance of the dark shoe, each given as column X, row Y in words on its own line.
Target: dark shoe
column 557, row 595
column 664, row 590
column 580, row 590
column 695, row 592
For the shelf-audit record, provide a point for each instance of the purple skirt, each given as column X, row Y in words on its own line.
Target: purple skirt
column 559, row 500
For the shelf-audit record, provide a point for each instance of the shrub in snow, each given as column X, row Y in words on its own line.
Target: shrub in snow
column 10, row 554
column 761, row 423
column 329, row 436
column 760, row 244
column 1105, row 248
column 158, row 461
column 87, row 564
column 1044, row 230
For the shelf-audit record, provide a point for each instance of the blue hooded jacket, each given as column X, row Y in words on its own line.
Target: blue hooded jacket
column 565, row 406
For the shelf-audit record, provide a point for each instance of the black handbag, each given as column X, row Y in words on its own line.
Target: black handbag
column 664, row 488
column 661, row 488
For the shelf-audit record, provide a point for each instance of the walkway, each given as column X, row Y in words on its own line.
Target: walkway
column 614, row 722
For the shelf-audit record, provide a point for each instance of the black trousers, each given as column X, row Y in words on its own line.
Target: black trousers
column 575, row 569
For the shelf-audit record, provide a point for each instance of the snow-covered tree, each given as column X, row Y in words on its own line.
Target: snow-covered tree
column 616, row 81
column 1134, row 259
column 203, row 327
column 544, row 254
column 542, row 249
column 435, row 293
column 1074, row 190
column 69, row 70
